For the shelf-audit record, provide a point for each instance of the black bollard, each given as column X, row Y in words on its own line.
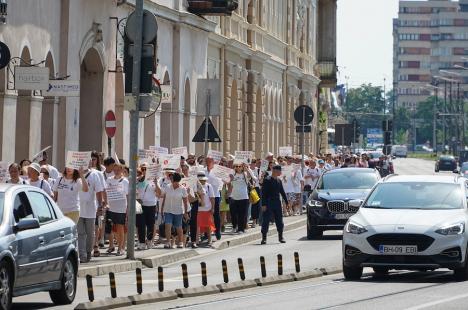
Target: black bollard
column 296, row 262
column 89, row 284
column 112, row 285
column 160, row 279
column 225, row 271
column 139, row 281
column 203, row 274
column 280, row 264
column 262, row 266
column 185, row 275
column 241, row 269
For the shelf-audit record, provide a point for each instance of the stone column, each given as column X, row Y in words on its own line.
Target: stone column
column 293, row 97
column 9, row 127
column 35, row 126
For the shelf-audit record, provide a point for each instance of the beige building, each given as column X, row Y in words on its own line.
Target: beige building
column 429, row 36
column 271, row 56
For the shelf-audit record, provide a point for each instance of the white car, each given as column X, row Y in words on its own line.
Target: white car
column 409, row 223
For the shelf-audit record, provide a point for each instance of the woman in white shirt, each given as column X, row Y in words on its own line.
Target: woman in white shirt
column 205, row 219
column 66, row 192
column 116, row 214
column 14, row 171
column 146, row 196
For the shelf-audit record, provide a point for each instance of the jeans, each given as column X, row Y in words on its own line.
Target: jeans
column 193, row 222
column 173, row 219
column 217, row 218
column 86, row 234
column 239, row 213
column 145, row 223
column 273, row 210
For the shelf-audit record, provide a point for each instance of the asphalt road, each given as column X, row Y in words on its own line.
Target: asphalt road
column 316, row 294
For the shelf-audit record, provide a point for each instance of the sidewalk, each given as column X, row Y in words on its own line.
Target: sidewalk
column 159, row 256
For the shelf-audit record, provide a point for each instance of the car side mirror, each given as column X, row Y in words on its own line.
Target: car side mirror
column 26, row 224
column 356, row 203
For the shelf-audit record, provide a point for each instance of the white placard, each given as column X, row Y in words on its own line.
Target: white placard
column 287, row 171
column 182, row 151
column 193, row 170
column 222, row 172
column 189, row 183
column 264, row 165
column 146, row 156
column 4, row 175
column 170, row 161
column 153, row 171
column 77, row 160
column 242, row 157
column 215, row 155
column 38, row 157
column 285, row 151
column 159, row 150
column 31, row 78
column 63, row 88
column 115, row 191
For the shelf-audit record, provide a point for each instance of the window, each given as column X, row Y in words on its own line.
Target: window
column 21, row 207
column 41, row 207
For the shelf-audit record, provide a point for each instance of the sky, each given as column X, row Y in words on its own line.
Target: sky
column 365, row 41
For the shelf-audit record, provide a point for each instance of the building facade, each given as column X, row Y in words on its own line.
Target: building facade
column 267, row 56
column 430, row 45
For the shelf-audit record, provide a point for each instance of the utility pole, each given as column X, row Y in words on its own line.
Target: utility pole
column 207, row 118
column 434, row 122
column 393, row 112
column 134, row 120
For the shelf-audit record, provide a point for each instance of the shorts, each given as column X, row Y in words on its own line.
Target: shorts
column 116, row 218
column 173, row 219
column 294, row 198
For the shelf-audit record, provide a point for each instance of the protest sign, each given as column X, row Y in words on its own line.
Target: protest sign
column 39, row 156
column 190, row 182
column 153, row 171
column 193, row 170
column 287, row 171
column 77, row 160
column 4, row 175
column 182, row 151
column 115, row 192
column 222, row 172
column 285, row 151
column 264, row 165
column 159, row 151
column 215, row 155
column 242, row 157
column 170, row 161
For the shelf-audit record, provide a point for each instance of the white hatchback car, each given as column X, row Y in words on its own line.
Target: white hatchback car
column 409, row 223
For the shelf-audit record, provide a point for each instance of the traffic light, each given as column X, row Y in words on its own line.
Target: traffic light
column 148, row 66
column 212, row 7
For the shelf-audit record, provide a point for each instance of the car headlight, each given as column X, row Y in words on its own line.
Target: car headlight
column 456, row 229
column 354, row 228
column 316, row 203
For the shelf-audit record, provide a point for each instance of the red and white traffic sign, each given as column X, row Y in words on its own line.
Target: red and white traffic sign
column 110, row 123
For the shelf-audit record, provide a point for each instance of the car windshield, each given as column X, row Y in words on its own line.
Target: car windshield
column 416, row 195
column 447, row 158
column 348, row 179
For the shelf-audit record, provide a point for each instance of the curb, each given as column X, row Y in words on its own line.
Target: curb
column 100, row 270
column 275, row 280
column 197, row 291
column 236, row 286
column 159, row 260
column 308, row 275
column 152, row 297
column 104, row 304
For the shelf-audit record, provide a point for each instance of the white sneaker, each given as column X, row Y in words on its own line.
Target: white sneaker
column 141, row 246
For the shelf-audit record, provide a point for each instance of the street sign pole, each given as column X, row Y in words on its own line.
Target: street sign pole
column 207, row 115
column 134, row 119
column 302, row 152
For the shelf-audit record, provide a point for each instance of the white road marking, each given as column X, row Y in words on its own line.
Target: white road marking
column 438, row 302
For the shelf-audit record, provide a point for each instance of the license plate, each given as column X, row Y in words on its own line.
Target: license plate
column 398, row 249
column 343, row 216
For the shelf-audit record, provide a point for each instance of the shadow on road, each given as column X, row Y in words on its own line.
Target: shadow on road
column 324, row 238
column 409, row 277
column 31, row 306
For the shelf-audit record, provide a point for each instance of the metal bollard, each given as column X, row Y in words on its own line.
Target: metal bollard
column 225, row 271
column 89, row 284
column 241, row 269
column 139, row 281
column 160, row 279
column 280, row 264
column 112, row 285
column 296, row 262
column 203, row 274
column 185, row 275
column 262, row 266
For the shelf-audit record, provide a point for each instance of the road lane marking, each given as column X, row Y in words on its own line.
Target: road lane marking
column 438, row 302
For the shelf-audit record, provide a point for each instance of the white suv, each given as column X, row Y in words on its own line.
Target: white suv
column 409, row 223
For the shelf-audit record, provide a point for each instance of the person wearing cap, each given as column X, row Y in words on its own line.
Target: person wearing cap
column 271, row 203
column 34, row 172
column 205, row 221
column 45, row 173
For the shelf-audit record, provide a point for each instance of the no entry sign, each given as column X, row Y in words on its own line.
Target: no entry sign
column 110, row 123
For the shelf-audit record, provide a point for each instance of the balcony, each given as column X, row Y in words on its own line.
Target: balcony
column 326, row 71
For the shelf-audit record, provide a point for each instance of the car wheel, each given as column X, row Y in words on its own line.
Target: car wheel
column 352, row 273
column 380, row 271
column 66, row 294
column 6, row 286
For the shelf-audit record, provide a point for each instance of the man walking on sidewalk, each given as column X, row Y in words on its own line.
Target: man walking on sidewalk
column 271, row 203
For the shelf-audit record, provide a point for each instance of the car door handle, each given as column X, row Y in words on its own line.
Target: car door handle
column 41, row 240
column 62, row 234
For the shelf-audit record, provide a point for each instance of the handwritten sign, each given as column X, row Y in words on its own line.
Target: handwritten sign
column 115, row 191
column 189, row 183
column 146, row 156
column 242, row 157
column 193, row 170
column 222, row 172
column 182, row 151
column 159, row 151
column 285, row 151
column 264, row 165
column 4, row 175
column 153, row 171
column 170, row 161
column 287, row 171
column 77, row 160
column 215, row 155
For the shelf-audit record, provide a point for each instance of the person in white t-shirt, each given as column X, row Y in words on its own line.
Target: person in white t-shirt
column 34, row 171
column 53, row 172
column 146, row 196
column 45, row 173
column 174, row 207
column 116, row 214
column 89, row 203
column 217, row 185
column 66, row 192
column 14, row 170
column 205, row 220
